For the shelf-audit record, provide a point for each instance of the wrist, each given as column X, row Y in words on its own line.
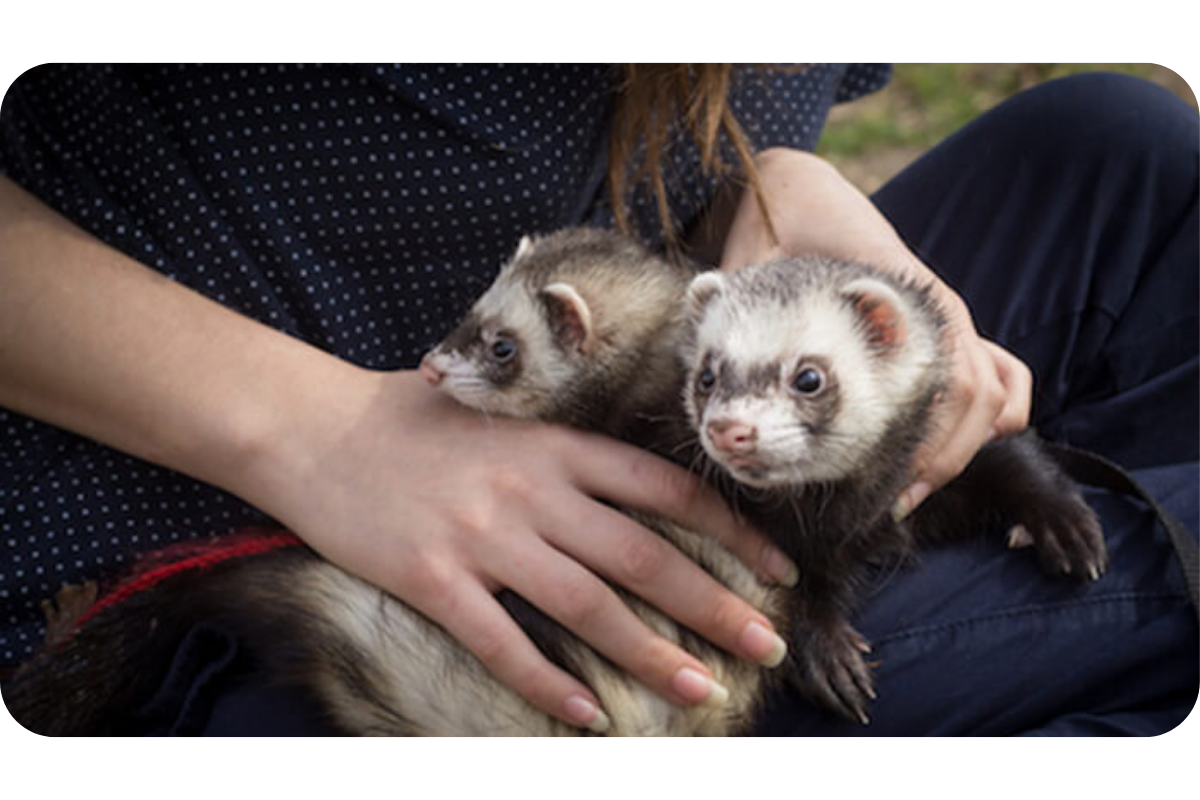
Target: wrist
column 282, row 434
column 815, row 210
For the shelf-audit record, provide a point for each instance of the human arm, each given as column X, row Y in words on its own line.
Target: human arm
column 814, row 209
column 374, row 470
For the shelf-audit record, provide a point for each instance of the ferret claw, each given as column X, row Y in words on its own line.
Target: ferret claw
column 1018, row 537
column 1067, row 537
column 830, row 671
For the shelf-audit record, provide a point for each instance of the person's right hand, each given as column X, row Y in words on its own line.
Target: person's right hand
column 384, row 476
column 443, row 507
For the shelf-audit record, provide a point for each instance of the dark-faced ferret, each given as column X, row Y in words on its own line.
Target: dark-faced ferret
column 566, row 333
column 811, row 382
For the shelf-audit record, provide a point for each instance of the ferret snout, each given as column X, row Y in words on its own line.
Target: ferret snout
column 432, row 373
column 733, row 436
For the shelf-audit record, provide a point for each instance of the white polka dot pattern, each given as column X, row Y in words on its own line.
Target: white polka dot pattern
column 358, row 208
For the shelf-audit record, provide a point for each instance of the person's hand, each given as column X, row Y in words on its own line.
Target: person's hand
column 384, row 476
column 988, row 396
column 814, row 210
column 443, row 507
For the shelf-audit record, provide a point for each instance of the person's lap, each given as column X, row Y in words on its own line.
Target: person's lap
column 1067, row 219
column 1064, row 220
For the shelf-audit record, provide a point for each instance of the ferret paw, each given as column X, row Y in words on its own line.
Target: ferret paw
column 1067, row 537
column 831, row 670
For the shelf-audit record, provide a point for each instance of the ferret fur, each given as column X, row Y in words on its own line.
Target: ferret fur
column 594, row 317
column 819, row 470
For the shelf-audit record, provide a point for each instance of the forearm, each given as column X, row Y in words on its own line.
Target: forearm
column 815, row 210
column 98, row 344
column 378, row 472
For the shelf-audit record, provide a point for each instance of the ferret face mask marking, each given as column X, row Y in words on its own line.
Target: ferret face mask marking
column 514, row 349
column 793, row 379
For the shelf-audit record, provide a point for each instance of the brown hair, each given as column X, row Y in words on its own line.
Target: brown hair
column 650, row 99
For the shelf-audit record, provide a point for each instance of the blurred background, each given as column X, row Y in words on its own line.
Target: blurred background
column 873, row 138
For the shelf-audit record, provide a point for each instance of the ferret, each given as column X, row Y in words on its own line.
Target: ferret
column 810, row 383
column 587, row 329
column 581, row 328
column 572, row 331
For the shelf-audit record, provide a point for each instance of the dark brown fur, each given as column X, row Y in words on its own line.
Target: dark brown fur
column 353, row 649
column 836, row 531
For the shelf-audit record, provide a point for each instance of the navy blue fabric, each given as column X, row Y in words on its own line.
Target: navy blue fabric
column 1068, row 219
column 359, row 208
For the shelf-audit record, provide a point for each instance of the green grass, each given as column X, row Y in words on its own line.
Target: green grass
column 926, row 102
column 874, row 137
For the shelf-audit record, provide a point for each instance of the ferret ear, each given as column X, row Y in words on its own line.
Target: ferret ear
column 703, row 288
column 879, row 308
column 523, row 247
column 569, row 316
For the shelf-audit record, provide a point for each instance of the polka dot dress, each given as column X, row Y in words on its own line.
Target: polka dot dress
column 360, row 209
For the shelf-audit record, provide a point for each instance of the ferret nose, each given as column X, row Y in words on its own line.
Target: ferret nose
column 731, row 436
column 431, row 373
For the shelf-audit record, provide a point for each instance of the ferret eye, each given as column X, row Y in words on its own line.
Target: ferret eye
column 503, row 350
column 706, row 380
column 808, row 381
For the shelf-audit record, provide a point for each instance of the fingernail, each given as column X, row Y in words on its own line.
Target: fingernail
column 910, row 500
column 780, row 568
column 695, row 687
column 764, row 645
column 583, row 712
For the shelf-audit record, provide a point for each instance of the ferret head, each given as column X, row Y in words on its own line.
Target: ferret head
column 558, row 315
column 798, row 368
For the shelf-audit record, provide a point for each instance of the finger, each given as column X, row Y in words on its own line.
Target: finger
column 1017, row 379
column 634, row 478
column 648, row 565
column 972, row 432
column 590, row 609
column 965, row 424
column 473, row 616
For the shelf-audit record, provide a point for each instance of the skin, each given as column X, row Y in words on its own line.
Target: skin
column 990, row 390
column 339, row 453
column 377, row 471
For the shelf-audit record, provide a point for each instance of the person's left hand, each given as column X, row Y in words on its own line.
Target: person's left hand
column 815, row 210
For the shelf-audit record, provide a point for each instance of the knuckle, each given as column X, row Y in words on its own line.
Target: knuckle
column 471, row 520
column 642, row 559
column 993, row 392
column 511, row 483
column 964, row 393
column 675, row 490
column 428, row 575
column 493, row 648
column 580, row 603
column 724, row 616
column 657, row 660
column 946, row 469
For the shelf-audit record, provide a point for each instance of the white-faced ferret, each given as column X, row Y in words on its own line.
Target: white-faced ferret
column 572, row 331
column 811, row 383
column 582, row 328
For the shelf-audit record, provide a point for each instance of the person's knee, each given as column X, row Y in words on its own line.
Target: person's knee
column 1105, row 113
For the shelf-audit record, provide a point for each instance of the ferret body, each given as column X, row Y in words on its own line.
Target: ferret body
column 810, row 384
column 586, row 329
column 565, row 334
column 582, row 328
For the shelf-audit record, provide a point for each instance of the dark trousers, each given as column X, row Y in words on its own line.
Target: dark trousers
column 1067, row 219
